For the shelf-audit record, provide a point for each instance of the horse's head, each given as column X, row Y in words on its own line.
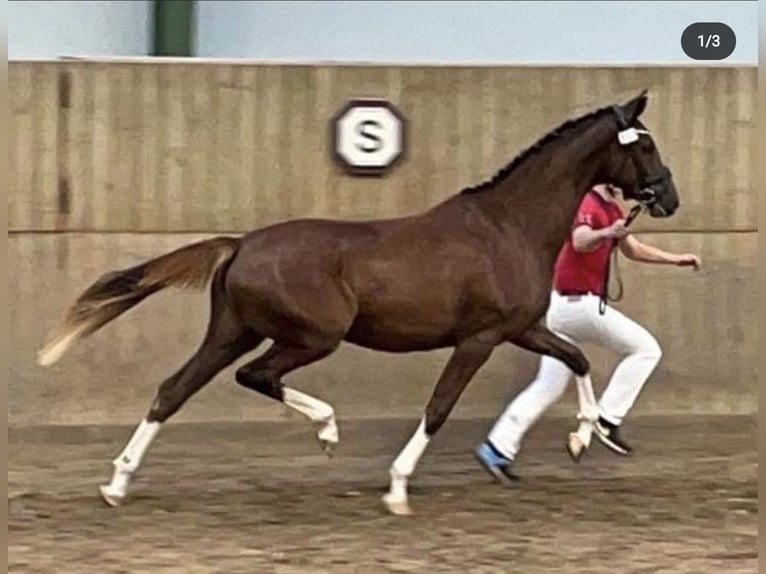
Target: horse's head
column 634, row 163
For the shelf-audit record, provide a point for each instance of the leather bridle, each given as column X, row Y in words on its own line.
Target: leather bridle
column 643, row 192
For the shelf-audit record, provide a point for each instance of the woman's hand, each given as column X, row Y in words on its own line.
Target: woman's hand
column 688, row 260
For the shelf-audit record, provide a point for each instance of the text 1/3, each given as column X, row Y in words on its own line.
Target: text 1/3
column 707, row 40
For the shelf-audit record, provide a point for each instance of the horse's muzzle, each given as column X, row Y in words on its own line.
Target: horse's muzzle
column 656, row 210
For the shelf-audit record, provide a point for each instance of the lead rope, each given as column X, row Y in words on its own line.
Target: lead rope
column 612, row 260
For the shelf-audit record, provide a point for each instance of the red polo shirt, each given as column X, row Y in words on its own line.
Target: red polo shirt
column 584, row 272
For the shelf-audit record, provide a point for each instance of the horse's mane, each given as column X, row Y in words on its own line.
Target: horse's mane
column 535, row 148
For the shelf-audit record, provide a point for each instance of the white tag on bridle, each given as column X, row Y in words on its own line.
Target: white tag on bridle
column 630, row 135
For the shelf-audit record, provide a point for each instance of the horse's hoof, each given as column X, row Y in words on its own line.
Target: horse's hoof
column 111, row 498
column 328, row 436
column 397, row 506
column 575, row 447
column 327, row 447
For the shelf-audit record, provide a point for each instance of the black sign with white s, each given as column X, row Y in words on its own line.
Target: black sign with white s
column 368, row 136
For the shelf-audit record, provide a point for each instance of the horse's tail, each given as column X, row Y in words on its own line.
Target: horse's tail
column 189, row 267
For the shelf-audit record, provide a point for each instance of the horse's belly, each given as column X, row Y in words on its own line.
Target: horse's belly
column 399, row 334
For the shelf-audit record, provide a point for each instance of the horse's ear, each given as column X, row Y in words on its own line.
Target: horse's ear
column 635, row 107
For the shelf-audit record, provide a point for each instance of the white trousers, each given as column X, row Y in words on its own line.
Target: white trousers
column 577, row 320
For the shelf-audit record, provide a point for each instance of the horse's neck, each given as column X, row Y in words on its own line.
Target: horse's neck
column 543, row 193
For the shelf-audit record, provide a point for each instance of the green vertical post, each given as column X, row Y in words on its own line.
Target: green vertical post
column 173, row 27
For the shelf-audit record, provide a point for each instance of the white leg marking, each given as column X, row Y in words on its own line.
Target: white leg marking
column 587, row 399
column 402, row 468
column 319, row 412
column 579, row 441
column 128, row 462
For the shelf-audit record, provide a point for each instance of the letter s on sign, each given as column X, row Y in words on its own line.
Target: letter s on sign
column 372, row 141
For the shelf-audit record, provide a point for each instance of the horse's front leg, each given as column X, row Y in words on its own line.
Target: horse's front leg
column 468, row 357
column 540, row 339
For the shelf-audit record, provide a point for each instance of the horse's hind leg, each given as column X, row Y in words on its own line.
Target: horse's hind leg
column 225, row 341
column 265, row 373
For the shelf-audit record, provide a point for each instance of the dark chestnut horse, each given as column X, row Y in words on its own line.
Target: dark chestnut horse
column 471, row 273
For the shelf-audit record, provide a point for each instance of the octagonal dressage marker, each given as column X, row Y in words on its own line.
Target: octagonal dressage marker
column 368, row 136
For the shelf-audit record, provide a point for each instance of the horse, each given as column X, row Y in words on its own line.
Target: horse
column 470, row 273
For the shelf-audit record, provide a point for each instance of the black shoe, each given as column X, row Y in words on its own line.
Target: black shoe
column 609, row 435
